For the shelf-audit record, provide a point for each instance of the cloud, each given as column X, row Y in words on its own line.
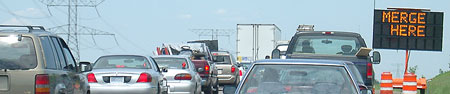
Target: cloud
column 15, row 21
column 31, row 13
column 185, row 16
column 221, row 11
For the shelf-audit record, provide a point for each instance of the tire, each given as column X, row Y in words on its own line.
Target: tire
column 209, row 90
column 159, row 89
column 217, row 87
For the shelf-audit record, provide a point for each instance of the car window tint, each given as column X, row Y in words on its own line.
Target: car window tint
column 50, row 61
column 307, row 79
column 172, row 63
column 222, row 59
column 59, row 52
column 16, row 54
column 107, row 62
column 330, row 45
column 68, row 56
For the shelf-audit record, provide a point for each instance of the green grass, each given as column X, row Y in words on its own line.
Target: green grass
column 440, row 84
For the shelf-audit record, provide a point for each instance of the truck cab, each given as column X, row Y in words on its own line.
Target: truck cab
column 333, row 45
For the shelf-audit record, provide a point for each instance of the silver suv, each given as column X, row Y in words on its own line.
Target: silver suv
column 227, row 68
column 35, row 61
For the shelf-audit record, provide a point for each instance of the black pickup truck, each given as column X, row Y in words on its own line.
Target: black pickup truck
column 333, row 45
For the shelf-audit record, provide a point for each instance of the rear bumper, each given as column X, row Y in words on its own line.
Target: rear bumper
column 136, row 88
column 182, row 87
column 226, row 79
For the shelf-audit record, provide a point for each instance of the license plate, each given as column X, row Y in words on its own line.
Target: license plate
column 219, row 71
column 117, row 79
column 3, row 82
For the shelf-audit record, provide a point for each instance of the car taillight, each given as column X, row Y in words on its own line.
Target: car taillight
column 369, row 71
column 144, row 77
column 207, row 69
column 91, row 78
column 233, row 69
column 42, row 84
column 240, row 72
column 183, row 76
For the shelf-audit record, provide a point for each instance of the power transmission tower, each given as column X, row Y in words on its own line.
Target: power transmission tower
column 73, row 29
column 213, row 33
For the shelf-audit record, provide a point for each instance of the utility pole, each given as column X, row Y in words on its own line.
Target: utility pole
column 72, row 29
column 213, row 33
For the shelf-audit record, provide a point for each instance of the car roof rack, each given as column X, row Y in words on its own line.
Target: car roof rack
column 30, row 28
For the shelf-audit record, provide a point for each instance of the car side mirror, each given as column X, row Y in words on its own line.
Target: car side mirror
column 276, row 53
column 376, row 57
column 364, row 89
column 238, row 65
column 85, row 66
column 163, row 69
column 200, row 70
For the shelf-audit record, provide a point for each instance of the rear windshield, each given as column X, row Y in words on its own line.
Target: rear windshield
column 108, row 62
column 297, row 79
column 330, row 45
column 356, row 73
column 222, row 59
column 16, row 54
column 172, row 63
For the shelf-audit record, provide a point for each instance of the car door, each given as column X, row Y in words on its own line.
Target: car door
column 193, row 71
column 52, row 64
column 70, row 76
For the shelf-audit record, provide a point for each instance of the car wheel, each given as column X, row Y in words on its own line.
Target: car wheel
column 216, row 87
column 209, row 90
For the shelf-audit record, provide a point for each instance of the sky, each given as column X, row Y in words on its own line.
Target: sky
column 142, row 25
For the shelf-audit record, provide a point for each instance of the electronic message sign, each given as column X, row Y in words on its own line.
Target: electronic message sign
column 408, row 29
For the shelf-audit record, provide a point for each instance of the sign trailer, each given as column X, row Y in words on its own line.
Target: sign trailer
column 408, row 29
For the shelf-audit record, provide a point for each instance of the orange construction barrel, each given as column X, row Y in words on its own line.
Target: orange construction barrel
column 421, row 83
column 409, row 83
column 386, row 83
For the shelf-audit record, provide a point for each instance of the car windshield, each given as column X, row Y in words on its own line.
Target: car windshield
column 172, row 63
column 297, row 79
column 330, row 45
column 107, row 62
column 222, row 59
column 15, row 54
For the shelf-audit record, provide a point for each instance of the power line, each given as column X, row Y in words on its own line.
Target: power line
column 73, row 29
column 213, row 33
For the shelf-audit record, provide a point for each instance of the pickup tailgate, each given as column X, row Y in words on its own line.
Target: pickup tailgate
column 202, row 64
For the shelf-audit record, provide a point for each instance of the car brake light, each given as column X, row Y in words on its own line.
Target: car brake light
column 144, row 77
column 183, row 76
column 233, row 69
column 328, row 33
column 42, row 84
column 183, row 65
column 206, row 69
column 369, row 70
column 240, row 72
column 91, row 78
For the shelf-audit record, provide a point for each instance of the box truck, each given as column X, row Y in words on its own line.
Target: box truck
column 256, row 41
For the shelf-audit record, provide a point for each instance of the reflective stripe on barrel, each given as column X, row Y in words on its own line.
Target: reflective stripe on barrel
column 386, row 83
column 409, row 84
